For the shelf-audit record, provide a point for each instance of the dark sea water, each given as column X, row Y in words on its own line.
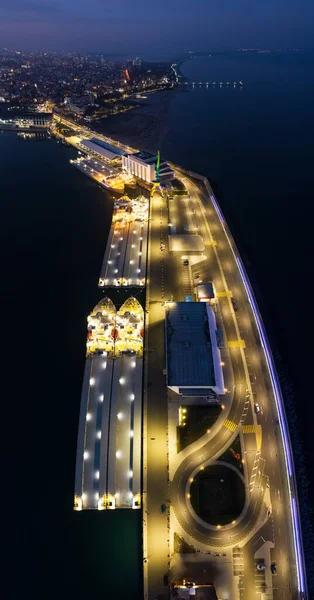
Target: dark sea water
column 256, row 145
column 54, row 225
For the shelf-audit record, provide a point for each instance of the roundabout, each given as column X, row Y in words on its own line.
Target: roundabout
column 217, row 494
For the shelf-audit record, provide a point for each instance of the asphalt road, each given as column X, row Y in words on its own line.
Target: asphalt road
column 257, row 379
column 252, row 384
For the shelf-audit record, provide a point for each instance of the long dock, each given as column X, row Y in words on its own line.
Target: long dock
column 108, row 462
column 125, row 258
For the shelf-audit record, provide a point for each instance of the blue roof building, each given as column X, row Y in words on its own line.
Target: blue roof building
column 193, row 357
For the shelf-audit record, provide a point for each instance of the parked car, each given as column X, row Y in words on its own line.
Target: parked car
column 257, row 408
column 234, row 304
column 273, row 568
column 261, row 566
column 163, row 508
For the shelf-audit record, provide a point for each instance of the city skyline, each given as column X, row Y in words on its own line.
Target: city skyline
column 132, row 28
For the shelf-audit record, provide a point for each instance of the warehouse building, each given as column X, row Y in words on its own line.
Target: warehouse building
column 192, row 354
column 27, row 119
column 103, row 149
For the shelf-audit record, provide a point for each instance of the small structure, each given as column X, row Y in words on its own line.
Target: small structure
column 186, row 243
column 205, row 291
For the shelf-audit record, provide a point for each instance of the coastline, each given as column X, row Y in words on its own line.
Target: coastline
column 146, row 126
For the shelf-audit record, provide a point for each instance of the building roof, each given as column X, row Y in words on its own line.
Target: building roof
column 145, row 156
column 189, row 348
column 11, row 114
column 205, row 290
column 110, row 154
column 109, row 147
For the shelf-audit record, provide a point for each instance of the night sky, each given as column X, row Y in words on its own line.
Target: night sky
column 142, row 26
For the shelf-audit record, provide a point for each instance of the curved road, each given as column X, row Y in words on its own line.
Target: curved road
column 249, row 369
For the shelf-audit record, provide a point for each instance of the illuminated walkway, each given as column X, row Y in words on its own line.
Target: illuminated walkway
column 125, row 256
column 108, row 464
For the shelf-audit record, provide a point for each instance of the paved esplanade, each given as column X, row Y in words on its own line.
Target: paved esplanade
column 262, row 446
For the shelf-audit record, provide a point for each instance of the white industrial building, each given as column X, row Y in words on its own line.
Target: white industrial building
column 143, row 165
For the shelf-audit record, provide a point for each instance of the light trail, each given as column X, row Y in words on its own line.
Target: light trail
column 278, row 398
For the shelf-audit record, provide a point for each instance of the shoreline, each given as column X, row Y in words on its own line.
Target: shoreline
column 146, row 126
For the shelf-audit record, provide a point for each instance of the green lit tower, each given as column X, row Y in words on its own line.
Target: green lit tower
column 157, row 167
column 156, row 182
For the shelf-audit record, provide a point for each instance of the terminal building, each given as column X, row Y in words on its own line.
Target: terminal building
column 27, row 119
column 143, row 165
column 192, row 353
column 103, row 149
